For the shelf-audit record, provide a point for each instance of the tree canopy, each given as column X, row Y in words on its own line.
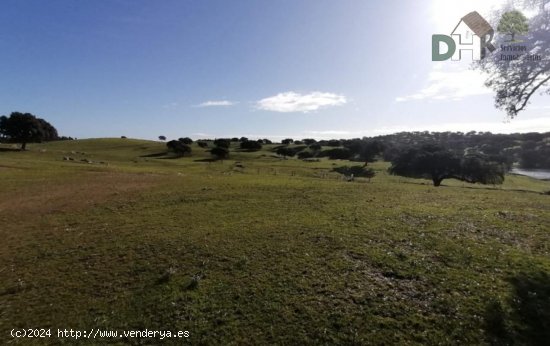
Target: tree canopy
column 437, row 163
column 220, row 152
column 251, row 145
column 222, row 142
column 179, row 147
column 26, row 128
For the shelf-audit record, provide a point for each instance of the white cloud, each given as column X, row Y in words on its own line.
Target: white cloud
column 221, row 103
column 541, row 124
column 294, row 102
column 450, row 84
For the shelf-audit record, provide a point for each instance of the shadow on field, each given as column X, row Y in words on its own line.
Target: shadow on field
column 477, row 187
column 525, row 318
column 155, row 154
column 9, row 149
column 206, row 160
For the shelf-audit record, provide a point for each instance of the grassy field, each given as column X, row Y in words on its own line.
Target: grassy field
column 277, row 252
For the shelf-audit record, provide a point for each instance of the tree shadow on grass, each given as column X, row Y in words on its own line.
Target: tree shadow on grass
column 525, row 318
column 155, row 154
column 10, row 149
column 206, row 160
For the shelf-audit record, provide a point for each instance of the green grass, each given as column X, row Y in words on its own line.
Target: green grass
column 280, row 252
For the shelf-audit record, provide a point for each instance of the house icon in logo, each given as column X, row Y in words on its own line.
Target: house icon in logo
column 472, row 33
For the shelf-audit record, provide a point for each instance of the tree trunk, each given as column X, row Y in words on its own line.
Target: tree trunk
column 513, row 36
column 437, row 181
column 23, row 146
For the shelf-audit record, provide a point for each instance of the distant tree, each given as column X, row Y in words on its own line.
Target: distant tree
column 364, row 149
column 371, row 150
column 243, row 139
column 222, row 142
column 26, row 128
column 123, row 137
column 250, row 145
column 285, row 151
column 333, row 143
column 267, row 141
column 305, row 155
column 336, row 153
column 186, row 140
column 179, row 147
column 513, row 23
column 287, row 141
column 234, row 139
column 220, row 152
column 309, row 141
column 315, row 146
column 202, row 144
column 162, row 138
column 298, row 142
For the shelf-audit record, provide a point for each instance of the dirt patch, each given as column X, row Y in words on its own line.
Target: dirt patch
column 50, row 196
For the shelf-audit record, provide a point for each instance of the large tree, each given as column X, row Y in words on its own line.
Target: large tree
column 516, row 76
column 26, row 128
column 437, row 163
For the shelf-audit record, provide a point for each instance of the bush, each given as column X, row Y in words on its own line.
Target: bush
column 202, row 144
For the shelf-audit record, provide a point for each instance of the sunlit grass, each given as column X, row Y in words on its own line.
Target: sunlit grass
column 280, row 251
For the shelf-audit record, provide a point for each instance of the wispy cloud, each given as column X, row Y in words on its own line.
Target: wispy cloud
column 541, row 124
column 220, row 103
column 449, row 84
column 294, row 102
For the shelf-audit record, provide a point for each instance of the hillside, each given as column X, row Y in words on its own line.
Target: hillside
column 126, row 237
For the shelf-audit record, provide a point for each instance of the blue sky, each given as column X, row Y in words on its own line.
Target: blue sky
column 269, row 69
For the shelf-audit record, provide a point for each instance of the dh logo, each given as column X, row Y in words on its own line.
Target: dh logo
column 473, row 33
